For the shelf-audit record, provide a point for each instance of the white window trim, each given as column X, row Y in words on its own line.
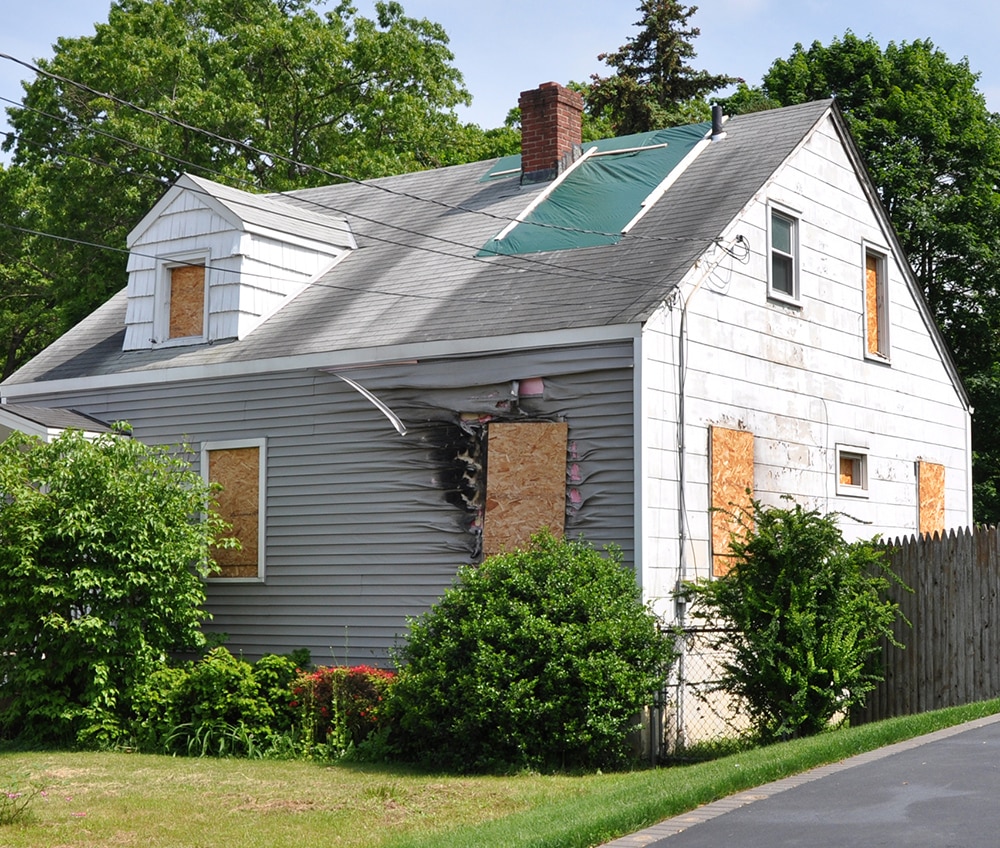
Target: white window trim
column 261, row 445
column 795, row 298
column 843, row 489
column 882, row 255
column 161, row 309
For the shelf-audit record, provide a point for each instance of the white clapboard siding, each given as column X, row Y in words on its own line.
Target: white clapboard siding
column 798, row 378
column 251, row 272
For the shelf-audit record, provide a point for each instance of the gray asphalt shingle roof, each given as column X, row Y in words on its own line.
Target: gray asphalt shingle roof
column 415, row 276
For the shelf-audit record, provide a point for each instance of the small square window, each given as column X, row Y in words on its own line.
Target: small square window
column 852, row 471
column 783, row 282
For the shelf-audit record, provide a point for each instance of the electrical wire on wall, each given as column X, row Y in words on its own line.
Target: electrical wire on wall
column 740, row 251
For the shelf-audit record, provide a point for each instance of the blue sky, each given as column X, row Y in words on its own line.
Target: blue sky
column 505, row 46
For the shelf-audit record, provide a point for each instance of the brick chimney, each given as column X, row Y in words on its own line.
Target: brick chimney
column 551, row 121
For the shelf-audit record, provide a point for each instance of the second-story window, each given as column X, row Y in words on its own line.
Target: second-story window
column 783, row 249
column 876, row 306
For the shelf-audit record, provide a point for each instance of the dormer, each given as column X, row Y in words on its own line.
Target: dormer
column 210, row 262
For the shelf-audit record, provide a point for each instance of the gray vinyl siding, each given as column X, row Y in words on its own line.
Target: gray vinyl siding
column 360, row 533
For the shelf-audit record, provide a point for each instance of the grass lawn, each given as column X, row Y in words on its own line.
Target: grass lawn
column 118, row 799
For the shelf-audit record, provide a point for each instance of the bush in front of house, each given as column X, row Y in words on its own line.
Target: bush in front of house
column 218, row 705
column 536, row 659
column 342, row 708
column 805, row 613
column 104, row 545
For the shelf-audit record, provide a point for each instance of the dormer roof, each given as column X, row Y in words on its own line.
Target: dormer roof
column 210, row 262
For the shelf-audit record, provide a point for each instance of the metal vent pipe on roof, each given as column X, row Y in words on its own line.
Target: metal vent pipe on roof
column 717, row 132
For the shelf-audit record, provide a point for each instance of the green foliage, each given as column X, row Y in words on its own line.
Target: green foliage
column 28, row 320
column 806, row 613
column 653, row 85
column 103, row 549
column 932, row 148
column 220, row 705
column 342, row 709
column 539, row 658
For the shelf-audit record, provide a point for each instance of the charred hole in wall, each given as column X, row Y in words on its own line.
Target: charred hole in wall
column 458, row 449
column 528, row 490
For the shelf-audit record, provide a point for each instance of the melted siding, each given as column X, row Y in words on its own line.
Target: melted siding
column 361, row 531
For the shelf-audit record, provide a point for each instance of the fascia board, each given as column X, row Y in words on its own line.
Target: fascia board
column 23, row 425
column 354, row 358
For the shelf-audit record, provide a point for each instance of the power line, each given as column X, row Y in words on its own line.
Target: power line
column 524, row 260
column 549, row 268
column 303, row 165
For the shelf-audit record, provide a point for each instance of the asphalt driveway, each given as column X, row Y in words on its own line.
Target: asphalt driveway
column 940, row 790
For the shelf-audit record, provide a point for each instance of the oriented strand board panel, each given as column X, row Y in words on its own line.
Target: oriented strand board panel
column 187, row 301
column 871, row 302
column 930, row 484
column 525, row 483
column 732, row 489
column 238, row 471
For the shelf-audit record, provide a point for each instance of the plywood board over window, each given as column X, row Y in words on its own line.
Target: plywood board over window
column 238, row 470
column 930, row 497
column 525, row 483
column 876, row 305
column 732, row 490
column 187, row 301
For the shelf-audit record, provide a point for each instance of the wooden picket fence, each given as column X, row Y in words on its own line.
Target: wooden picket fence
column 952, row 645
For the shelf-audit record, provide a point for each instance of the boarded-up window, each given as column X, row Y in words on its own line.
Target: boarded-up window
column 852, row 471
column 875, row 304
column 187, row 301
column 238, row 471
column 930, row 496
column 732, row 490
column 525, row 483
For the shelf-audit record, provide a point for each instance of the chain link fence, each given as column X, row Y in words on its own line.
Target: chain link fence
column 692, row 710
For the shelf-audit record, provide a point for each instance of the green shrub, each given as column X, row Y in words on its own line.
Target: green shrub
column 807, row 612
column 103, row 547
column 220, row 704
column 342, row 708
column 540, row 658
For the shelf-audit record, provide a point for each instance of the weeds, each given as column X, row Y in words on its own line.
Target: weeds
column 16, row 794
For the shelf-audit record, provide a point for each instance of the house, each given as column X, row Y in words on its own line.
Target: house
column 394, row 377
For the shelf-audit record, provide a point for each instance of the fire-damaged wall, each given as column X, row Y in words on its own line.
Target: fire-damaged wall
column 365, row 526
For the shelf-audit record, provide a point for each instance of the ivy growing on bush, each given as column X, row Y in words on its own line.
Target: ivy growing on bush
column 805, row 614
column 103, row 547
column 539, row 658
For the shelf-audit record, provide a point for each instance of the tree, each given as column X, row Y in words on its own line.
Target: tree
column 932, row 149
column 27, row 309
column 804, row 614
column 537, row 658
column 264, row 94
column 653, row 85
column 103, row 549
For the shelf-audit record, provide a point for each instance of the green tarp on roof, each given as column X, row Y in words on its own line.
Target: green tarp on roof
column 601, row 195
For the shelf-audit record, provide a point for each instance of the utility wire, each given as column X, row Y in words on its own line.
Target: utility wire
column 487, row 261
column 370, row 184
